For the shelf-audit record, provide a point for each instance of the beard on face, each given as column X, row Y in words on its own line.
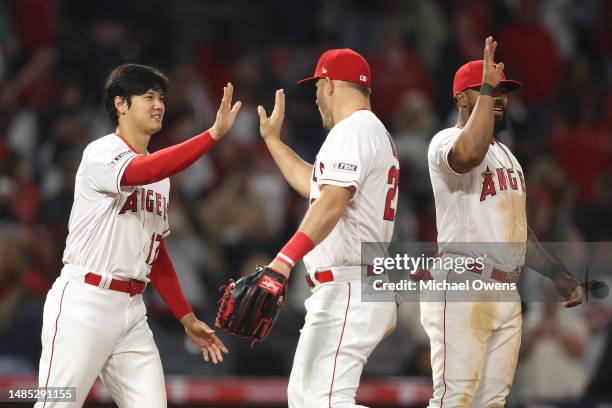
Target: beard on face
column 500, row 124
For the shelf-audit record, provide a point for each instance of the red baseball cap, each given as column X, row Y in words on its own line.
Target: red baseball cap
column 470, row 75
column 344, row 65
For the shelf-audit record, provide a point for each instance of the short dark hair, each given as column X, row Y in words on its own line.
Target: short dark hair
column 128, row 80
column 363, row 89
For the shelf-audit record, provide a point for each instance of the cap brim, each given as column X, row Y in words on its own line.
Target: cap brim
column 509, row 85
column 305, row 80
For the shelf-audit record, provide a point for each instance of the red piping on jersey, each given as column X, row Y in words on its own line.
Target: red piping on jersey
column 340, row 181
column 127, row 143
column 331, row 388
column 53, row 343
column 120, row 174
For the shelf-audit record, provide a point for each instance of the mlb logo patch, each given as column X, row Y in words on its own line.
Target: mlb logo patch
column 363, row 78
column 347, row 167
column 114, row 162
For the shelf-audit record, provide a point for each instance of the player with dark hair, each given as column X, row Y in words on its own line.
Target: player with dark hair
column 128, row 80
column 480, row 194
column 95, row 321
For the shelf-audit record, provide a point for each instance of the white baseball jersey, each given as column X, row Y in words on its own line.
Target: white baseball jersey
column 358, row 152
column 486, row 204
column 90, row 331
column 112, row 229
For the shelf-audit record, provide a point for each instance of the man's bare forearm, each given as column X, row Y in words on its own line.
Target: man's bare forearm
column 319, row 221
column 472, row 145
column 324, row 213
column 542, row 261
column 296, row 171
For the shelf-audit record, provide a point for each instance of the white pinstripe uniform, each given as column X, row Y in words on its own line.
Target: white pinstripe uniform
column 91, row 331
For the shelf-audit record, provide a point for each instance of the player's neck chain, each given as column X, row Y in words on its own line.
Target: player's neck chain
column 507, row 154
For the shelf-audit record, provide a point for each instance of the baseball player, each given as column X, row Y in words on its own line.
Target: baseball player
column 95, row 321
column 352, row 188
column 479, row 190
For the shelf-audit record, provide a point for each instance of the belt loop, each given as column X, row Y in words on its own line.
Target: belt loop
column 105, row 281
column 102, row 281
column 309, row 280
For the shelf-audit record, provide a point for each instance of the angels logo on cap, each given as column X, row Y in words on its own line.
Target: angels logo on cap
column 342, row 64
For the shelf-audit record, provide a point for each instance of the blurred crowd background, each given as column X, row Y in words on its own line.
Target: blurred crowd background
column 232, row 209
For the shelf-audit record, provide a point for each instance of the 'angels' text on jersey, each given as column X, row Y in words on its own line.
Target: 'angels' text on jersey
column 113, row 229
column 150, row 201
column 505, row 178
column 486, row 204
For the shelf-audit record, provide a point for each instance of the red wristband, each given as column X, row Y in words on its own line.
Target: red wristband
column 297, row 247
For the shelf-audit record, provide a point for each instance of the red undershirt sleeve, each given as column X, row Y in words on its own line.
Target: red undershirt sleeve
column 164, row 280
column 150, row 168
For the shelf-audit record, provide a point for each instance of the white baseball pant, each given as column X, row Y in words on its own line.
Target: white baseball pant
column 339, row 334
column 474, row 348
column 90, row 332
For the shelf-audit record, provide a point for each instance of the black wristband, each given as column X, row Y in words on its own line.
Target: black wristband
column 486, row 89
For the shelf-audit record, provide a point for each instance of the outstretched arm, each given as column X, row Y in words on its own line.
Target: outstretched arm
column 295, row 170
column 319, row 221
column 548, row 264
column 146, row 169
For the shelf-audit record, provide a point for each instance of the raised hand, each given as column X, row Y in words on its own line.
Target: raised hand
column 270, row 127
column 226, row 113
column 492, row 73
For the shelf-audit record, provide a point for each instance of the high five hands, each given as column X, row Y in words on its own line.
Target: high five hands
column 270, row 127
column 226, row 113
column 492, row 73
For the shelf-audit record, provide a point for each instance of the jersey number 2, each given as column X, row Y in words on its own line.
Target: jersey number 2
column 393, row 180
column 156, row 240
